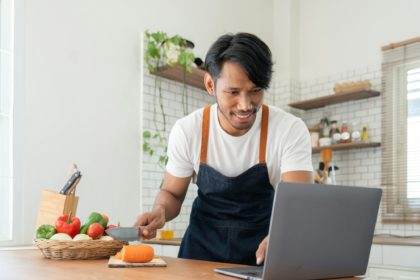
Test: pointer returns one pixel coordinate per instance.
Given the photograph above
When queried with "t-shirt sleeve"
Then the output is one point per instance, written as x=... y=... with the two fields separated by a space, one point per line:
x=297 y=150
x=179 y=160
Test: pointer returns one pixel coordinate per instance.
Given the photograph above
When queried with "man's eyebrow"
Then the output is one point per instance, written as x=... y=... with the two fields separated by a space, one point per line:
x=238 y=88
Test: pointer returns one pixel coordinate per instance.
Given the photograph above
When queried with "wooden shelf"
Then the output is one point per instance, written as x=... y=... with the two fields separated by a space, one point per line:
x=333 y=99
x=176 y=73
x=346 y=146
x=386 y=239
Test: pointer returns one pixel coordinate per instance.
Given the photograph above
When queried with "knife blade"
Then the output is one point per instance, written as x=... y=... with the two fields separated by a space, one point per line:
x=124 y=233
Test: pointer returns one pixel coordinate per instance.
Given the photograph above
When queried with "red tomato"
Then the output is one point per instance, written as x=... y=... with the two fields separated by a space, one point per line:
x=95 y=230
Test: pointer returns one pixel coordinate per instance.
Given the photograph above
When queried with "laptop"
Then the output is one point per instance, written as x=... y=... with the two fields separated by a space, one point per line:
x=317 y=232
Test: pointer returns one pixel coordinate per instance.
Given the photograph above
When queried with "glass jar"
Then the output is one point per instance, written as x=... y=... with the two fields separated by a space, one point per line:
x=365 y=135
x=355 y=134
x=335 y=134
x=345 y=133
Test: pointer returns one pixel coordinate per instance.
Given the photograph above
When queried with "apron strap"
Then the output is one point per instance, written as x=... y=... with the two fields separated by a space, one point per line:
x=205 y=134
x=263 y=133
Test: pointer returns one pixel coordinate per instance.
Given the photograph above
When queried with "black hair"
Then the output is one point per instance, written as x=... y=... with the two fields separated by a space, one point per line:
x=247 y=50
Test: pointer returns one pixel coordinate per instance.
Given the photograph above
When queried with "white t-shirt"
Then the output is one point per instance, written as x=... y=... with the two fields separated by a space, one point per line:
x=288 y=146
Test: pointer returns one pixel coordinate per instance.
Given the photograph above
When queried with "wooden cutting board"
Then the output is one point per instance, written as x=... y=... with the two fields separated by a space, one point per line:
x=117 y=263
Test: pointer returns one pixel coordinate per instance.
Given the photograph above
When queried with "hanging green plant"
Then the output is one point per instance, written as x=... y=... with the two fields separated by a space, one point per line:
x=152 y=142
x=163 y=50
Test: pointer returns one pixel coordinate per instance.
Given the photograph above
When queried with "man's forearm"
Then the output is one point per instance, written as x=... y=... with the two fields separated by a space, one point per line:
x=170 y=203
x=305 y=177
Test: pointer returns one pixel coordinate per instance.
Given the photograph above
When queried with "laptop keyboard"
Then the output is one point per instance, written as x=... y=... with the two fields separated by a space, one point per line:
x=256 y=273
x=250 y=272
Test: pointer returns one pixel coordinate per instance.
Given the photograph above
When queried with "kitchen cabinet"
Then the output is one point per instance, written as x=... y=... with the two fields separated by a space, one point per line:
x=378 y=272
x=395 y=256
x=394 y=262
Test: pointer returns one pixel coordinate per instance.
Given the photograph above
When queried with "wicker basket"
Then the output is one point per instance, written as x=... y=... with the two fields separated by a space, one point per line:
x=78 y=250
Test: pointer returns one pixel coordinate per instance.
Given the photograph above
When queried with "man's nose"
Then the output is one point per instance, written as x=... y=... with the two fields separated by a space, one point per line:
x=244 y=103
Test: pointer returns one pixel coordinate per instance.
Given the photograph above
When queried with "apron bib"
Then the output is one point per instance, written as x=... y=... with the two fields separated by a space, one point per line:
x=231 y=215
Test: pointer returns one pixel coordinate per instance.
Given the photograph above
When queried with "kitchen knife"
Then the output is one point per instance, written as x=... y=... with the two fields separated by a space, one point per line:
x=124 y=233
x=72 y=188
x=70 y=182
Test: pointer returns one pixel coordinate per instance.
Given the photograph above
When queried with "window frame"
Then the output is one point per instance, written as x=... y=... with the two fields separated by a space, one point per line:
x=401 y=205
x=17 y=115
x=408 y=67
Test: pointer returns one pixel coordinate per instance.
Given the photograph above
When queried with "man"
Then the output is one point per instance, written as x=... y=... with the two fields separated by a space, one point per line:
x=236 y=151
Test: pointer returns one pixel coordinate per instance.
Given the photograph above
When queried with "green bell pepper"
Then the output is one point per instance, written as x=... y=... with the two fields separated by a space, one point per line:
x=45 y=231
x=94 y=217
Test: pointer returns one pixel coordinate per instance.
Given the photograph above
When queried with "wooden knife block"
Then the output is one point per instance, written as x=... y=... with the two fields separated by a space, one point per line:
x=53 y=205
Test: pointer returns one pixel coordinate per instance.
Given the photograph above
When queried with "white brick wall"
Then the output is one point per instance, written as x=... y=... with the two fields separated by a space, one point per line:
x=152 y=173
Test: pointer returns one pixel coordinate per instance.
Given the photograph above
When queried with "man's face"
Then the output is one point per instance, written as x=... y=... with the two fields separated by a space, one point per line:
x=238 y=99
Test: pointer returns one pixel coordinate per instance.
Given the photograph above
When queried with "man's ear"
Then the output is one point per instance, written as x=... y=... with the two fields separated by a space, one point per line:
x=209 y=83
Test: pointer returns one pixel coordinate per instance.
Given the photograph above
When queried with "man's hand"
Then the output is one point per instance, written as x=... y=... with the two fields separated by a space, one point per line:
x=262 y=249
x=291 y=176
x=149 y=222
x=167 y=206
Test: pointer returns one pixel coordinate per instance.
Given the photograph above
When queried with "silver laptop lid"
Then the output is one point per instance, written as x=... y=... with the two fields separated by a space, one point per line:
x=320 y=231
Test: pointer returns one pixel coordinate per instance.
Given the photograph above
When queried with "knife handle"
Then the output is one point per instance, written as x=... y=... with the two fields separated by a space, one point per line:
x=70 y=182
x=72 y=188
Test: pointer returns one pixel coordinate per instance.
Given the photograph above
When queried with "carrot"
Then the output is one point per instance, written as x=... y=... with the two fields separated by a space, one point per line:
x=137 y=253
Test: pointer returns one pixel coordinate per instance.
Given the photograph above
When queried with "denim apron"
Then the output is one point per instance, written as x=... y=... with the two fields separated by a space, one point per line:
x=231 y=215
